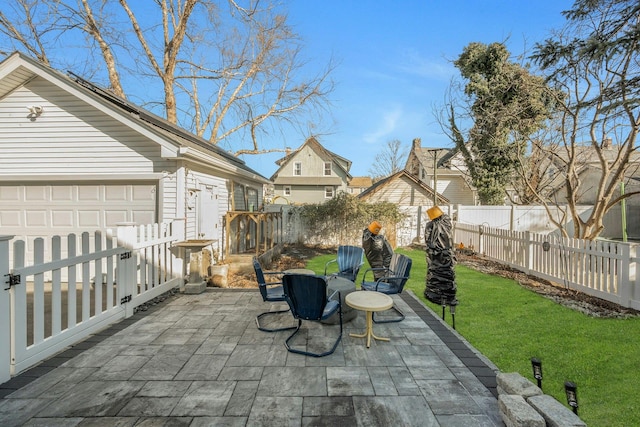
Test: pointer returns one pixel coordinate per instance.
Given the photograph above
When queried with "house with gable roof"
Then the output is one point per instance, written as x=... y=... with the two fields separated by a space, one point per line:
x=403 y=189
x=443 y=169
x=310 y=174
x=77 y=158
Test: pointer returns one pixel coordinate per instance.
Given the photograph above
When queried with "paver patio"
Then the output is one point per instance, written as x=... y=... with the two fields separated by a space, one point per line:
x=199 y=360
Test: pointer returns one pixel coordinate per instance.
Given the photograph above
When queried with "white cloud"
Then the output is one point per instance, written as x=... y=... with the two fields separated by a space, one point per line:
x=386 y=126
x=416 y=64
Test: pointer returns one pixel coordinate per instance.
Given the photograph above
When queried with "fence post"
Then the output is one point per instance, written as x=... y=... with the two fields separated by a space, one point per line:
x=127 y=273
x=5 y=312
x=528 y=252
x=625 y=285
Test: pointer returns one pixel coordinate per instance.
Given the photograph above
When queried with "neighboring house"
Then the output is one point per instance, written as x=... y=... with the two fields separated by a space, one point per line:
x=413 y=197
x=77 y=158
x=443 y=169
x=358 y=184
x=403 y=189
x=310 y=174
x=589 y=171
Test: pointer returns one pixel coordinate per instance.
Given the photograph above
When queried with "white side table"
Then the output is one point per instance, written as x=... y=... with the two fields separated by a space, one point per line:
x=369 y=302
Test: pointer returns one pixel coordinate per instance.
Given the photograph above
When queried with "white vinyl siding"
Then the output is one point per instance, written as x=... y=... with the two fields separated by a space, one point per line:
x=95 y=161
x=455 y=188
x=68 y=138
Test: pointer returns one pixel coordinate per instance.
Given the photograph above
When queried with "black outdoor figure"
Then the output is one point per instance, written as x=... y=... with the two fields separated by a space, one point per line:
x=441 y=279
x=376 y=248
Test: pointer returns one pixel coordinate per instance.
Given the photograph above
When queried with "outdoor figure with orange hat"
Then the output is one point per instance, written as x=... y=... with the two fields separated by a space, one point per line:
x=441 y=279
x=376 y=248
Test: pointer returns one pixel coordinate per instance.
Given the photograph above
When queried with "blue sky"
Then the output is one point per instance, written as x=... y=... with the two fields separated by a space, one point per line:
x=395 y=64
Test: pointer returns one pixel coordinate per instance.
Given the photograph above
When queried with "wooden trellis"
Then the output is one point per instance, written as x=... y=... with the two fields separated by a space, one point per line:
x=249 y=231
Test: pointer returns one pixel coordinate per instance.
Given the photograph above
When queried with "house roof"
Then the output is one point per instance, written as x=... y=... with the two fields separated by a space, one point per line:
x=313 y=143
x=18 y=69
x=403 y=173
x=425 y=156
x=361 y=181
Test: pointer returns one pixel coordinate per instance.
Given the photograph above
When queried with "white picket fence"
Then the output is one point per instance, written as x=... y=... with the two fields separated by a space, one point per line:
x=89 y=282
x=601 y=268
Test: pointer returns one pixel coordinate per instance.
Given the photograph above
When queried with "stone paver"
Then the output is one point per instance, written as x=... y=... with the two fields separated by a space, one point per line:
x=199 y=360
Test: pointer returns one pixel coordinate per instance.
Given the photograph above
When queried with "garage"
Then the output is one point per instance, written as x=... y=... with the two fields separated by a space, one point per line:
x=44 y=209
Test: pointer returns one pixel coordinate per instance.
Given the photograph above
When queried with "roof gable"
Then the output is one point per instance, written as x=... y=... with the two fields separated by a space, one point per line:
x=403 y=174
x=18 y=69
x=313 y=144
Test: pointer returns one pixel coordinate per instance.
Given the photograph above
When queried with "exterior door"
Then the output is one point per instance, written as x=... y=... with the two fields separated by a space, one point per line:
x=209 y=216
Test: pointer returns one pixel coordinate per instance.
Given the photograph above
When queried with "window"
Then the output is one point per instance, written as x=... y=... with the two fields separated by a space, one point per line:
x=287 y=190
x=327 y=168
x=328 y=192
x=252 y=198
x=297 y=169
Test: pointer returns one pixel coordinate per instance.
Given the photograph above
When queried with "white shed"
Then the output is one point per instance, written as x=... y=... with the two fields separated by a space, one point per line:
x=77 y=158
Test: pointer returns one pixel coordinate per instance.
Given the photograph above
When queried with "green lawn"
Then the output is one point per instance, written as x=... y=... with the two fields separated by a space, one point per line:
x=510 y=325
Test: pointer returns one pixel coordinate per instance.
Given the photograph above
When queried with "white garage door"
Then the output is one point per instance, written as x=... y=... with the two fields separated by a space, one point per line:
x=43 y=210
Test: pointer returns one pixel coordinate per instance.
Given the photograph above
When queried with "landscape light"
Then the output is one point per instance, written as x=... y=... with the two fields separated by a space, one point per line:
x=452 y=309
x=571 y=390
x=536 y=364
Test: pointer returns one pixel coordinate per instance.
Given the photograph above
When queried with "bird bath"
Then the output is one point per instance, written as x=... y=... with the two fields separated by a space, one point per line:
x=196 y=283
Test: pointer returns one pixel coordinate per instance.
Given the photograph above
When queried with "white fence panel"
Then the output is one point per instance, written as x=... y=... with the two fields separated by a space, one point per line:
x=604 y=269
x=5 y=312
x=536 y=220
x=100 y=285
x=43 y=325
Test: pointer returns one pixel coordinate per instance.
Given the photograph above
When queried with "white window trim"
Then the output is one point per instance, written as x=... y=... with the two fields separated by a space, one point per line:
x=332 y=192
x=295 y=169
x=327 y=165
x=286 y=190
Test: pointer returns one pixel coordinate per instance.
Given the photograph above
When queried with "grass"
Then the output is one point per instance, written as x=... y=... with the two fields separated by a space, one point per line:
x=510 y=324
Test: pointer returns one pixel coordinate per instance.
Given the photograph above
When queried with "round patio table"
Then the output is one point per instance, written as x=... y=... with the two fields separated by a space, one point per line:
x=369 y=301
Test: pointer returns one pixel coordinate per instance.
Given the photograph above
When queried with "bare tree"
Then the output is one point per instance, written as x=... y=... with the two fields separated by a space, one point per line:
x=593 y=62
x=27 y=24
x=389 y=161
x=228 y=71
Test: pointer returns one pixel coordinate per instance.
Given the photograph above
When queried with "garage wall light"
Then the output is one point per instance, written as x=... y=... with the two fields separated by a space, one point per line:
x=35 y=110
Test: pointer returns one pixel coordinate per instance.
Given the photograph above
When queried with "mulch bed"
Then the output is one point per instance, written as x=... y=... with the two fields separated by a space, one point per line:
x=579 y=301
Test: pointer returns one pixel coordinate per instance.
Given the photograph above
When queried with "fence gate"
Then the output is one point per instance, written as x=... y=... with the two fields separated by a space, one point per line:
x=89 y=283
